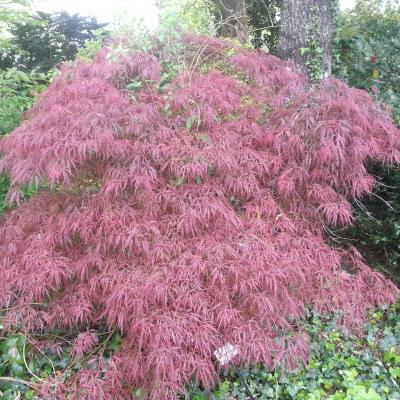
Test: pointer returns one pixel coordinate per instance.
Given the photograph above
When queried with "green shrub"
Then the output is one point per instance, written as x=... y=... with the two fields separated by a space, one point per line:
x=369 y=43
x=369 y=53
x=17 y=94
x=376 y=229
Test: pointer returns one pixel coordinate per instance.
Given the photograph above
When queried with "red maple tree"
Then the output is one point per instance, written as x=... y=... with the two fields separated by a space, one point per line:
x=188 y=215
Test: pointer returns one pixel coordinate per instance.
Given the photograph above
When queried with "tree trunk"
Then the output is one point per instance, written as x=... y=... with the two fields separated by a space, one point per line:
x=232 y=19
x=297 y=17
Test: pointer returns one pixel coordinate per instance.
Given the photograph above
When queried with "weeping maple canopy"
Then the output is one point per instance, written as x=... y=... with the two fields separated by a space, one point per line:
x=189 y=214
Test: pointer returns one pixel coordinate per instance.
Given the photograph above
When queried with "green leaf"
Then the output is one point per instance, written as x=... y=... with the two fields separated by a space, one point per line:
x=395 y=372
x=30 y=395
x=330 y=346
x=180 y=180
x=359 y=392
x=17 y=370
x=115 y=342
x=190 y=121
x=134 y=85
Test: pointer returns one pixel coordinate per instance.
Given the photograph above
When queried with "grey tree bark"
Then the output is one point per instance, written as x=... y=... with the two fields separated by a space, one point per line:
x=232 y=19
x=296 y=17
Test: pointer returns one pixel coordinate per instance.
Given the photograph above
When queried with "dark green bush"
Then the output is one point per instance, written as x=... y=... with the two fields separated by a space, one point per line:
x=369 y=44
x=369 y=53
x=376 y=230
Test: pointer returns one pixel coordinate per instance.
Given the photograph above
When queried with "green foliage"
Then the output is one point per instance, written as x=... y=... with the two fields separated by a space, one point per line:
x=376 y=229
x=45 y=40
x=92 y=46
x=23 y=366
x=4 y=185
x=12 y=11
x=342 y=367
x=139 y=37
x=200 y=16
x=18 y=90
x=369 y=51
x=190 y=15
x=314 y=52
x=13 y=369
x=17 y=94
x=264 y=21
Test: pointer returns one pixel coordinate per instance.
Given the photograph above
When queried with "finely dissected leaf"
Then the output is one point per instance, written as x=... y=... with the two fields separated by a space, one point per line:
x=184 y=245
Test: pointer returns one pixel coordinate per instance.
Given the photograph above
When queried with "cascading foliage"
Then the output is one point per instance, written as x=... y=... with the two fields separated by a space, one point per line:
x=187 y=215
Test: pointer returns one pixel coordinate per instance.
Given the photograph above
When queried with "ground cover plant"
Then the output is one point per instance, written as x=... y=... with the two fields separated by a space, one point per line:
x=341 y=366
x=187 y=210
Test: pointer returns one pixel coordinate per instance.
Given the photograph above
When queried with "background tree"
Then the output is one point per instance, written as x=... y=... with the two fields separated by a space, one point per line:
x=231 y=18
x=254 y=20
x=263 y=16
x=12 y=11
x=306 y=33
x=192 y=15
x=45 y=40
x=369 y=50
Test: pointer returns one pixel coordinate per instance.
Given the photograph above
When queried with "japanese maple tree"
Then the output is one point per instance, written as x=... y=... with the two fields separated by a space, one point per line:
x=188 y=214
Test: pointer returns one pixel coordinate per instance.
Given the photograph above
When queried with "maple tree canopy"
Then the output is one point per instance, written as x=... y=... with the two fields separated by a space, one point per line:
x=188 y=215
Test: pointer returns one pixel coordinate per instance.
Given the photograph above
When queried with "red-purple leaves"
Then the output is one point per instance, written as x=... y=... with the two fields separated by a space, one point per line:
x=187 y=236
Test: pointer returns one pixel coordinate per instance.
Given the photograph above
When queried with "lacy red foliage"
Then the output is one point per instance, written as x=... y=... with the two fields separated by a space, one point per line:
x=190 y=215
